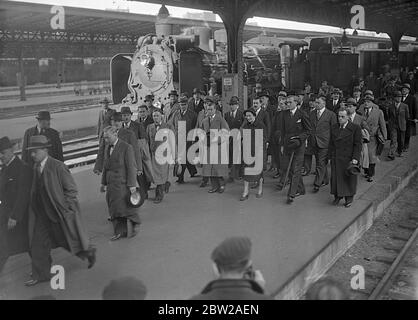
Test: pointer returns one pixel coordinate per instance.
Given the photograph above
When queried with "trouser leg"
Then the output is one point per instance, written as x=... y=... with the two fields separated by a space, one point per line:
x=371 y=170
x=41 y=249
x=307 y=163
x=4 y=250
x=407 y=135
x=393 y=142
x=321 y=175
x=401 y=141
x=296 y=181
x=215 y=182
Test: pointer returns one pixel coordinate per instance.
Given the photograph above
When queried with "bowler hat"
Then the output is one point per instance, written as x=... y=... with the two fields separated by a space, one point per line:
x=105 y=100
x=196 y=90
x=5 y=144
x=250 y=111
x=353 y=170
x=293 y=143
x=43 y=115
x=38 y=142
x=282 y=94
x=232 y=251
x=149 y=97
x=136 y=199
x=406 y=85
x=234 y=100
x=264 y=93
x=173 y=93
x=183 y=99
x=397 y=94
x=336 y=90
x=351 y=102
x=209 y=99
x=116 y=116
x=125 y=110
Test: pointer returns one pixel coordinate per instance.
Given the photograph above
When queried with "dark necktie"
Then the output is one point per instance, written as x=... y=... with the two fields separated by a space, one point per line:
x=318 y=115
x=367 y=112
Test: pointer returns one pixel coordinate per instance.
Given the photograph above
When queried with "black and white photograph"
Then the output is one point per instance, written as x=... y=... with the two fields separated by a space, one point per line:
x=182 y=151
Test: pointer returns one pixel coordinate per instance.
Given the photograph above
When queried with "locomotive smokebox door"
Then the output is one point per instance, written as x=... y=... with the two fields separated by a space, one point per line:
x=120 y=68
x=229 y=89
x=190 y=72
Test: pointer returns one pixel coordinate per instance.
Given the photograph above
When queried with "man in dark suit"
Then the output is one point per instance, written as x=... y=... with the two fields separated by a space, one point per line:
x=234 y=118
x=119 y=182
x=334 y=103
x=344 y=150
x=296 y=128
x=195 y=103
x=15 y=184
x=397 y=122
x=321 y=120
x=275 y=134
x=144 y=116
x=188 y=117
x=43 y=128
x=137 y=128
x=412 y=104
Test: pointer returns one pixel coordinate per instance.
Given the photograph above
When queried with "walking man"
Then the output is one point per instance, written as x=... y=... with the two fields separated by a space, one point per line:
x=397 y=122
x=15 y=184
x=344 y=150
x=57 y=213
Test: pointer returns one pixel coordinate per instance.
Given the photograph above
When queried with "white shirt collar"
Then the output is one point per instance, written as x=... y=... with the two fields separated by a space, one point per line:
x=11 y=160
x=114 y=145
x=128 y=124
x=42 y=164
x=293 y=111
x=39 y=129
x=321 y=111
x=257 y=111
x=344 y=125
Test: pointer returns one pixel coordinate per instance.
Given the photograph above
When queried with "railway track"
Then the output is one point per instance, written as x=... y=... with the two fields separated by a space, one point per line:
x=399 y=281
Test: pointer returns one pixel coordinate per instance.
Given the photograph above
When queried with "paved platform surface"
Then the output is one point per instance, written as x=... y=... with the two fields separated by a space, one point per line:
x=171 y=254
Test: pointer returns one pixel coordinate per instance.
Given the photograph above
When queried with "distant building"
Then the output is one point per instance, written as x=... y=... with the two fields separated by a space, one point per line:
x=205 y=16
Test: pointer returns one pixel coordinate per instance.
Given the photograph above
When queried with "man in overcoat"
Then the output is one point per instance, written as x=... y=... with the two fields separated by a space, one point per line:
x=219 y=169
x=321 y=120
x=15 y=184
x=119 y=182
x=344 y=150
x=411 y=101
x=195 y=103
x=43 y=128
x=104 y=116
x=377 y=128
x=188 y=117
x=160 y=166
x=333 y=104
x=58 y=221
x=398 y=117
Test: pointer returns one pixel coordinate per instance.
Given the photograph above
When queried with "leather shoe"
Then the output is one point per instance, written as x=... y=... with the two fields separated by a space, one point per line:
x=315 y=189
x=91 y=257
x=213 y=190
x=279 y=187
x=290 y=200
x=116 y=237
x=348 y=204
x=276 y=176
x=221 y=189
x=158 y=200
x=203 y=184
x=336 y=201
x=180 y=181
x=167 y=187
x=244 y=197
x=259 y=195
x=369 y=179
x=34 y=282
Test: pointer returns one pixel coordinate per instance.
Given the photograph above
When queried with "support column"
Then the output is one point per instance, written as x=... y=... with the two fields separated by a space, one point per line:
x=21 y=78
x=234 y=14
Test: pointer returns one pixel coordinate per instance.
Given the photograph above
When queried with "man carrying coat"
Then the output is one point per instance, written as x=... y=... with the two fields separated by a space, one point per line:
x=15 y=183
x=57 y=213
x=119 y=182
x=43 y=128
x=344 y=152
x=321 y=120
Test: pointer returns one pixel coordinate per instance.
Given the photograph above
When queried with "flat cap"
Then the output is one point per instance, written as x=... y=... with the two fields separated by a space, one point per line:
x=232 y=251
x=126 y=288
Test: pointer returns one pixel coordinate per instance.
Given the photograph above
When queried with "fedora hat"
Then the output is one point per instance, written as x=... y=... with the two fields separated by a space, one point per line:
x=116 y=116
x=43 y=115
x=234 y=100
x=183 y=100
x=353 y=170
x=406 y=85
x=105 y=100
x=125 y=110
x=196 y=90
x=5 y=144
x=136 y=199
x=38 y=142
x=397 y=94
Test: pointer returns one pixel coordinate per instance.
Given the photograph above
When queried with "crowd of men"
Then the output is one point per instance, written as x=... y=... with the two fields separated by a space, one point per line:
x=347 y=132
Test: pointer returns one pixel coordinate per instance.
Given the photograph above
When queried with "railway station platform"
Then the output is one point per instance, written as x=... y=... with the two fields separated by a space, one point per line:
x=293 y=245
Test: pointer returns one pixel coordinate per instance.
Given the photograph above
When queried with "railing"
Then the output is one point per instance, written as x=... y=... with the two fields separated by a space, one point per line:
x=79 y=152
